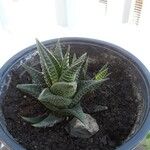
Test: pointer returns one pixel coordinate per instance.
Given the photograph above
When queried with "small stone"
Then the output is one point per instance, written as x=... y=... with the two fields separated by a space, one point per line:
x=24 y=96
x=35 y=146
x=77 y=129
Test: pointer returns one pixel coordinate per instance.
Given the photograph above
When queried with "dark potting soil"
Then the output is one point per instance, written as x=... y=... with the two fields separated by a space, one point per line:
x=115 y=123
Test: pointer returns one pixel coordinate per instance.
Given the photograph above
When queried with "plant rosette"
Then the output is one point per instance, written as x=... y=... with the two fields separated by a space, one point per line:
x=56 y=95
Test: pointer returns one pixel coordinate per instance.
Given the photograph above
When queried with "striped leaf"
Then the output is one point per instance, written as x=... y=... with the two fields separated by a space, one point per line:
x=37 y=77
x=65 y=62
x=46 y=75
x=34 y=119
x=85 y=87
x=103 y=73
x=58 y=52
x=65 y=89
x=81 y=58
x=50 y=65
x=49 y=121
x=81 y=75
x=74 y=58
x=84 y=69
x=55 y=100
x=71 y=73
x=32 y=89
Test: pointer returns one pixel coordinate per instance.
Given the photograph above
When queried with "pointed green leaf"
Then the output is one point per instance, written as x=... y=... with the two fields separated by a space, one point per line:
x=34 y=119
x=85 y=87
x=81 y=58
x=82 y=73
x=65 y=62
x=46 y=75
x=55 y=100
x=50 y=65
x=103 y=73
x=43 y=66
x=32 y=89
x=49 y=121
x=50 y=106
x=58 y=52
x=65 y=89
x=76 y=111
x=85 y=67
x=71 y=73
x=74 y=58
x=37 y=77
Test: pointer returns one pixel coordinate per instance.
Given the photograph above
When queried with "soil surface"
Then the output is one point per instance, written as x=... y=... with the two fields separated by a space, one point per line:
x=115 y=124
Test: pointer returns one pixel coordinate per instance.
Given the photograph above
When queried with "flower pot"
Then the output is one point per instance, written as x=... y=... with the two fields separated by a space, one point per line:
x=126 y=94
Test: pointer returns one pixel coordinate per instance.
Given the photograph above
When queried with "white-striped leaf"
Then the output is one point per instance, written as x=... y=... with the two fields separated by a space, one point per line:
x=74 y=58
x=84 y=69
x=71 y=73
x=103 y=73
x=65 y=62
x=81 y=74
x=55 y=100
x=50 y=65
x=58 y=52
x=46 y=75
x=85 y=87
x=81 y=58
x=65 y=89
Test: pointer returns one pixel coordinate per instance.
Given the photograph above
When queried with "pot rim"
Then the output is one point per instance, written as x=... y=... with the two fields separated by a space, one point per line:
x=128 y=144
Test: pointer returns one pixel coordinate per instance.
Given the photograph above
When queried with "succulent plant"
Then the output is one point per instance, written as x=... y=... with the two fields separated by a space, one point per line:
x=61 y=84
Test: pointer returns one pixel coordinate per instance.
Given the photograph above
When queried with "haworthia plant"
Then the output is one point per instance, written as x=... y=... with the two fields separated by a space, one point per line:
x=60 y=85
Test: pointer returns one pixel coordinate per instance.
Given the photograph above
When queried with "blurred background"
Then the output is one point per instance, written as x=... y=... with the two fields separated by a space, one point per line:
x=122 y=22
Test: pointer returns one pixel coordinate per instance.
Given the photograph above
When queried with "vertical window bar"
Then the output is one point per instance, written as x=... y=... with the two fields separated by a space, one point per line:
x=137 y=10
x=61 y=12
x=105 y=3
